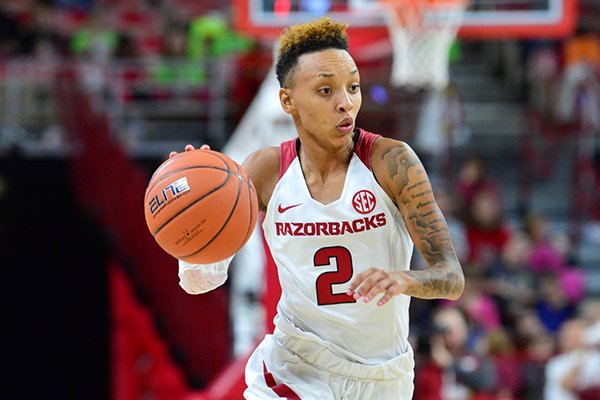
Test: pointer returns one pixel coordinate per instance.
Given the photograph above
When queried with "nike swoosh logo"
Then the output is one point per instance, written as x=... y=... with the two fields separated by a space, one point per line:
x=284 y=209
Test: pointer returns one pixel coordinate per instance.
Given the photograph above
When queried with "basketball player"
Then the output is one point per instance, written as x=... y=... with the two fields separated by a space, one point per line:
x=343 y=208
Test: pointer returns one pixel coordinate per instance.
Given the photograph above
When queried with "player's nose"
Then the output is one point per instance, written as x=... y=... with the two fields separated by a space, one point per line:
x=345 y=102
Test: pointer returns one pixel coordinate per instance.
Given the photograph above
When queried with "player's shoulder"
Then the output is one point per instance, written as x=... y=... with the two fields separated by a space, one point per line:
x=391 y=158
x=385 y=144
x=387 y=151
x=268 y=156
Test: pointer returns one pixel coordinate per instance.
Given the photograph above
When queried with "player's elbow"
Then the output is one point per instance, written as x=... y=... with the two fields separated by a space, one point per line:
x=457 y=283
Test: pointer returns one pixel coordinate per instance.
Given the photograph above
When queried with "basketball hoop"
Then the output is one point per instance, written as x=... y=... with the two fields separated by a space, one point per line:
x=422 y=32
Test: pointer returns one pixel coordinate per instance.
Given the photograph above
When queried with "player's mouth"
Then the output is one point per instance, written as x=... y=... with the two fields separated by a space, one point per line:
x=345 y=125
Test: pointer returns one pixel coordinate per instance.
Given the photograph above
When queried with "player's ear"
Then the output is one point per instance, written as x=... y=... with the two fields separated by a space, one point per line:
x=286 y=100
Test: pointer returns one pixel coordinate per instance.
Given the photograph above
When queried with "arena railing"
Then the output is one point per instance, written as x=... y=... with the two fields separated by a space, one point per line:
x=153 y=105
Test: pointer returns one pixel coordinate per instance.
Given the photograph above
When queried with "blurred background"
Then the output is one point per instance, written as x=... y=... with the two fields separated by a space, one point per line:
x=94 y=94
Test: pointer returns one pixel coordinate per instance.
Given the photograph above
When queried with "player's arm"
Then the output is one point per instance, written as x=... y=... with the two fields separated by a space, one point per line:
x=403 y=177
x=262 y=168
x=407 y=181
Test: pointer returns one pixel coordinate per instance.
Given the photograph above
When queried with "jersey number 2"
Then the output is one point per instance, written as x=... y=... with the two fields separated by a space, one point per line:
x=326 y=280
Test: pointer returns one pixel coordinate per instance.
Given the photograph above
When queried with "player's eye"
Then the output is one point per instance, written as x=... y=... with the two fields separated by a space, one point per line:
x=325 y=90
x=354 y=88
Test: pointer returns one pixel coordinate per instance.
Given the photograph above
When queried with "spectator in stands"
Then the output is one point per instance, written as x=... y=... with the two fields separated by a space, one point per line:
x=553 y=306
x=503 y=352
x=174 y=69
x=190 y=45
x=211 y=36
x=549 y=255
x=487 y=230
x=453 y=370
x=94 y=44
x=533 y=359
x=510 y=280
x=526 y=325
x=574 y=371
x=472 y=179
x=97 y=39
x=550 y=249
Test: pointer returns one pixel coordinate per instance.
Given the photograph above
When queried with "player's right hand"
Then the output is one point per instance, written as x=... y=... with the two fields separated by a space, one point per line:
x=189 y=147
x=375 y=281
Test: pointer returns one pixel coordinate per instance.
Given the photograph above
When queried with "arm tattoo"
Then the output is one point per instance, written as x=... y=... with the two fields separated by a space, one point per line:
x=426 y=225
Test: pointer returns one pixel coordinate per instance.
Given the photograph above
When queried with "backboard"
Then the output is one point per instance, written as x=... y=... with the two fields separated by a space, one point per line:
x=484 y=19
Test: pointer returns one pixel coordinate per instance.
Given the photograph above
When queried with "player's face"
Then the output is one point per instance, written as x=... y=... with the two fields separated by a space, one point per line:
x=324 y=97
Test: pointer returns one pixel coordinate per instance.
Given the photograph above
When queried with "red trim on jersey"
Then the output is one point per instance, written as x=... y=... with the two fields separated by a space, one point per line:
x=268 y=376
x=280 y=389
x=287 y=150
x=364 y=146
x=287 y=154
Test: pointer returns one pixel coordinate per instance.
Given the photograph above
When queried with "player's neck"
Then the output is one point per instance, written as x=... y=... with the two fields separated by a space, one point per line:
x=318 y=159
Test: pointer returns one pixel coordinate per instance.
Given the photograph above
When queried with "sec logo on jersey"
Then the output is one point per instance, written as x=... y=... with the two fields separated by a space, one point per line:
x=364 y=201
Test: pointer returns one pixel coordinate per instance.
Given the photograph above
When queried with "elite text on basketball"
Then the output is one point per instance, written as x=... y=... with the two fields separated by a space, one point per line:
x=169 y=193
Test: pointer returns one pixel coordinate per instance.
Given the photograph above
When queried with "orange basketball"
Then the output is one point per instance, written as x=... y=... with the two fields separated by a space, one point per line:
x=200 y=206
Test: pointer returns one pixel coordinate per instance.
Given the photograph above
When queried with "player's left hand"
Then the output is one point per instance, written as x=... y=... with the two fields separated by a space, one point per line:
x=373 y=282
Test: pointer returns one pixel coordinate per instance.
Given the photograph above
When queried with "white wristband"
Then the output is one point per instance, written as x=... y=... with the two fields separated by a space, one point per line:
x=201 y=278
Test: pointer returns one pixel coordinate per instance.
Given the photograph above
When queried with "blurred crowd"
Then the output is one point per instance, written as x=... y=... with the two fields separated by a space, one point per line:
x=148 y=48
x=104 y=29
x=525 y=327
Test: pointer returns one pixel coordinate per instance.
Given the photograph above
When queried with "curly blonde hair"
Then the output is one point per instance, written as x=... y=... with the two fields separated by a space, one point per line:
x=296 y=40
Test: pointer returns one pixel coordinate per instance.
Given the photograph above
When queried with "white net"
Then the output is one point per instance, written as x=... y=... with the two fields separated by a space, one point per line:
x=422 y=33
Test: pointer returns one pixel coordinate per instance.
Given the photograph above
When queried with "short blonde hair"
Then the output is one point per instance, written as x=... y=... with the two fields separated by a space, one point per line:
x=296 y=40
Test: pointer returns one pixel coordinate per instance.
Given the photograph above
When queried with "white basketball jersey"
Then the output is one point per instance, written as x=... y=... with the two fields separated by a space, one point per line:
x=319 y=248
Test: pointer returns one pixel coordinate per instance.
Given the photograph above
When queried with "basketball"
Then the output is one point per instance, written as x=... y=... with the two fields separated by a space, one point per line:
x=200 y=206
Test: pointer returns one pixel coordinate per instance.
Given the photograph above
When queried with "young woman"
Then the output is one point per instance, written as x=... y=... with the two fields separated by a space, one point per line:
x=343 y=208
